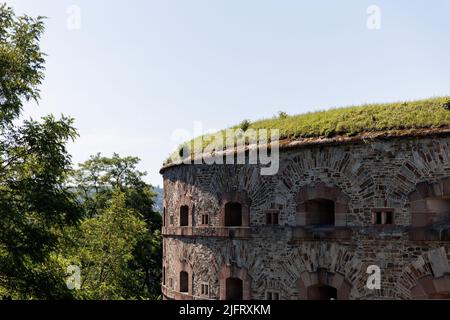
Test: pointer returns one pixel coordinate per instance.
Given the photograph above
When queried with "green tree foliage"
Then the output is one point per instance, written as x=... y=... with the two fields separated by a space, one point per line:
x=34 y=205
x=21 y=61
x=97 y=182
x=97 y=178
x=104 y=248
x=99 y=217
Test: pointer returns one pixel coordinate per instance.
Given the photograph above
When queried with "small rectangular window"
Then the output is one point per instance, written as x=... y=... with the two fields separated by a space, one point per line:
x=378 y=217
x=170 y=283
x=275 y=218
x=272 y=217
x=268 y=218
x=171 y=220
x=205 y=289
x=272 y=295
x=205 y=219
x=389 y=217
x=383 y=216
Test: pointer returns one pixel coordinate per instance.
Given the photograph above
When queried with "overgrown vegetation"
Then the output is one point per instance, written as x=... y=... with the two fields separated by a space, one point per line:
x=349 y=121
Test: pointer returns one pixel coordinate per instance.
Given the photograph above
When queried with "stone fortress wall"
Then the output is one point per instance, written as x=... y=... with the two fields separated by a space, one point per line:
x=312 y=230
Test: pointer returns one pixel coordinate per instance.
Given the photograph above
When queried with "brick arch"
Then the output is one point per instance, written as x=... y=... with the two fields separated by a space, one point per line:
x=321 y=191
x=233 y=271
x=421 y=214
x=333 y=167
x=235 y=197
x=228 y=178
x=329 y=256
x=337 y=166
x=427 y=275
x=429 y=287
x=323 y=277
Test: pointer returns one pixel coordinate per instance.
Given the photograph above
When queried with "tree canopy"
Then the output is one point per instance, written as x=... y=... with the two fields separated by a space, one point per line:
x=108 y=188
x=98 y=217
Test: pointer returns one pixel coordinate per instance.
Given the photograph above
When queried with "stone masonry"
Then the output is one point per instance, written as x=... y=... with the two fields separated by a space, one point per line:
x=312 y=230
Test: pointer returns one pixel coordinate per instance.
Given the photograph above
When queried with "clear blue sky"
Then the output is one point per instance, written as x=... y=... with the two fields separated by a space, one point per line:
x=138 y=70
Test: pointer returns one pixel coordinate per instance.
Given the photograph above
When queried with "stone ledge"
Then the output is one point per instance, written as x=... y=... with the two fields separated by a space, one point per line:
x=172 y=294
x=321 y=233
x=315 y=233
x=220 y=232
x=430 y=234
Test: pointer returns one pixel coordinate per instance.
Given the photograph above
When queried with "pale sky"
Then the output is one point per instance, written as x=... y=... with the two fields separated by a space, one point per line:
x=138 y=70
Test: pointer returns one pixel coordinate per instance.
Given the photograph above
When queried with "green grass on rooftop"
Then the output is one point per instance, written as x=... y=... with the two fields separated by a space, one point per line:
x=350 y=121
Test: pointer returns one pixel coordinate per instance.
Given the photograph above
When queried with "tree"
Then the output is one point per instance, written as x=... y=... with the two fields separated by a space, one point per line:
x=95 y=182
x=21 y=62
x=105 y=245
x=34 y=206
x=104 y=220
x=97 y=178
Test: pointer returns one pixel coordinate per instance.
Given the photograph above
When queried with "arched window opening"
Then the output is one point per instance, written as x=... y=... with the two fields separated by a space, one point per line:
x=321 y=292
x=184 y=282
x=184 y=216
x=320 y=212
x=234 y=289
x=233 y=214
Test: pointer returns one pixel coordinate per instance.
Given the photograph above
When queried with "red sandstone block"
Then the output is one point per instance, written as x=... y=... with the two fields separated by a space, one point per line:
x=311 y=193
x=419 y=219
x=301 y=207
x=424 y=190
x=417 y=234
x=300 y=219
x=418 y=293
x=302 y=195
x=340 y=220
x=414 y=196
x=436 y=189
x=427 y=284
x=300 y=285
x=341 y=207
x=337 y=280
x=306 y=278
x=446 y=187
x=322 y=191
x=442 y=284
x=322 y=277
x=343 y=292
x=419 y=206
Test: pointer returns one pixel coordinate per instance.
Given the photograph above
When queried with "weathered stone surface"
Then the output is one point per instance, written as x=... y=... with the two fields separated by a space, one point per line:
x=399 y=174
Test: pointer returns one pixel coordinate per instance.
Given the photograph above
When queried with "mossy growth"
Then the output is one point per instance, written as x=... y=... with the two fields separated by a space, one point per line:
x=349 y=121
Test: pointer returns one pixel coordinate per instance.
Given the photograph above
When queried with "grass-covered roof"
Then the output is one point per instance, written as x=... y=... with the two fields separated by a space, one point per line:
x=352 y=121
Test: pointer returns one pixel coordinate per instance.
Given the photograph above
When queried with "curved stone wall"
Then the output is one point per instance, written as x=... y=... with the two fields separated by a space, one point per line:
x=390 y=201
